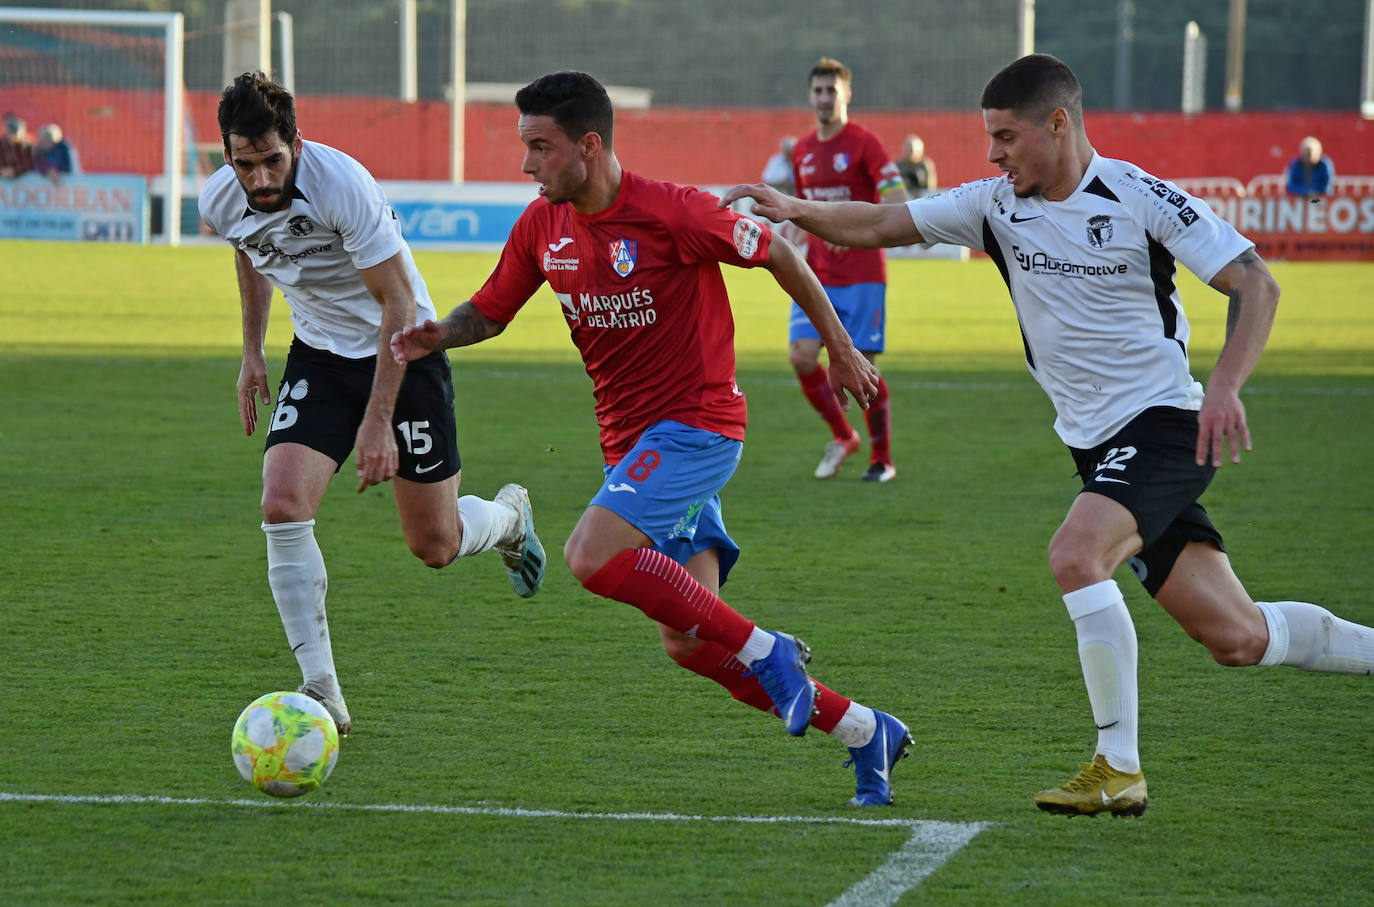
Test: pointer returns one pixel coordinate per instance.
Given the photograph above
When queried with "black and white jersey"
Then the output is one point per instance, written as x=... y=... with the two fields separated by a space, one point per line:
x=1092 y=280
x=338 y=223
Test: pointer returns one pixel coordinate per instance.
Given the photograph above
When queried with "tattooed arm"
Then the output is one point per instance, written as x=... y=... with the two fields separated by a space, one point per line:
x=1254 y=297
x=463 y=326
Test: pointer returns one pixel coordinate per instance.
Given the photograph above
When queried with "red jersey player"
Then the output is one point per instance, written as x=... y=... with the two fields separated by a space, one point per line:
x=842 y=161
x=635 y=265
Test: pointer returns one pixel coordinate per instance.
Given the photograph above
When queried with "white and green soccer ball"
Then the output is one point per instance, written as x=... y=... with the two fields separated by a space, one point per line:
x=285 y=743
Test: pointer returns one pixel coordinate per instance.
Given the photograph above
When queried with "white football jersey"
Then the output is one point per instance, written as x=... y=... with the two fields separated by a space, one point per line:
x=338 y=223
x=1092 y=280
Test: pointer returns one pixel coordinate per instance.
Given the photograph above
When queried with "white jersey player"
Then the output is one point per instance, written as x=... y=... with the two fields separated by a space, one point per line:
x=336 y=225
x=312 y=222
x=1088 y=248
x=1092 y=279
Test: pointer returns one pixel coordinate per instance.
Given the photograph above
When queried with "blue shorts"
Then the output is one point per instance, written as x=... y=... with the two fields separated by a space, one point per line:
x=668 y=487
x=862 y=308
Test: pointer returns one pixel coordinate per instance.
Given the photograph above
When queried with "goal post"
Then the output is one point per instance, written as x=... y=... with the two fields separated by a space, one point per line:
x=172 y=28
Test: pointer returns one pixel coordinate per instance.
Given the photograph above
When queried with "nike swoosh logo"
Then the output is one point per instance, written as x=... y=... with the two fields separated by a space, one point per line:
x=1117 y=481
x=554 y=247
x=886 y=771
x=421 y=470
x=1022 y=220
x=1108 y=799
x=622 y=487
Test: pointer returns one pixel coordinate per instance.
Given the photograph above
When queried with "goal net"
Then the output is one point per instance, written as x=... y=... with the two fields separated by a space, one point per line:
x=113 y=82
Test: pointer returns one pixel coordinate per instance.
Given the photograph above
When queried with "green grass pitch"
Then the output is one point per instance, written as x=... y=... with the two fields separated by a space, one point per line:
x=545 y=751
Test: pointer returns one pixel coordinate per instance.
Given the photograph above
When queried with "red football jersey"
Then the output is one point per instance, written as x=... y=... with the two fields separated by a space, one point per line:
x=852 y=166
x=641 y=289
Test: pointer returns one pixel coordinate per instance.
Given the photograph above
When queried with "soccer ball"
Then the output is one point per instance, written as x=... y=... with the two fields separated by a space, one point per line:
x=285 y=743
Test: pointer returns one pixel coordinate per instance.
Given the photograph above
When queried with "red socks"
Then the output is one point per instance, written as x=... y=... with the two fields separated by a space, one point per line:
x=879 y=418
x=661 y=588
x=667 y=593
x=714 y=662
x=816 y=386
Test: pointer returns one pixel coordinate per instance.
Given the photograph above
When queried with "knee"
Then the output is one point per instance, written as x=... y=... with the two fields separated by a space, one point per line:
x=285 y=506
x=434 y=552
x=680 y=648
x=803 y=361
x=1234 y=645
x=1073 y=565
x=581 y=558
x=435 y=547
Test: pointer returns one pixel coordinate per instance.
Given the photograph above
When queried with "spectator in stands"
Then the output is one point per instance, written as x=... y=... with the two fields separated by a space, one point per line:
x=917 y=170
x=16 y=147
x=1311 y=172
x=54 y=156
x=778 y=171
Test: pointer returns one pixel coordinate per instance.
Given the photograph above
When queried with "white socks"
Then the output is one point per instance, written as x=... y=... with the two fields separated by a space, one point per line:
x=1310 y=637
x=857 y=726
x=486 y=524
x=759 y=645
x=1107 y=651
x=295 y=571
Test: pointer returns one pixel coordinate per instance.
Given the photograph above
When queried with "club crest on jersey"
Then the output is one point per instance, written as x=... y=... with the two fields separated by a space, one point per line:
x=300 y=225
x=1099 y=230
x=746 y=237
x=624 y=256
x=840 y=161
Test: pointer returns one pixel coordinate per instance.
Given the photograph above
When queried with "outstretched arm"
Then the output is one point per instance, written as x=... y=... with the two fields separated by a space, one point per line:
x=1254 y=296
x=859 y=225
x=849 y=370
x=464 y=326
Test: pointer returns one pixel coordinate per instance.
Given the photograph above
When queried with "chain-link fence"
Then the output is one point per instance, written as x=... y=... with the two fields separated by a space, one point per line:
x=906 y=54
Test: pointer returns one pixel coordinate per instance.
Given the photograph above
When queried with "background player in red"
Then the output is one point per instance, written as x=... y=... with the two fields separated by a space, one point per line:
x=842 y=161
x=635 y=265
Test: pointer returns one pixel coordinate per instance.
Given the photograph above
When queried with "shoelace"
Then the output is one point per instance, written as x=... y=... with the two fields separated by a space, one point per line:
x=764 y=672
x=854 y=752
x=1092 y=774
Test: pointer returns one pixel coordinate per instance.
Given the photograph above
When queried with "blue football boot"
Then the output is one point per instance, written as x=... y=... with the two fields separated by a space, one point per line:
x=873 y=761
x=782 y=672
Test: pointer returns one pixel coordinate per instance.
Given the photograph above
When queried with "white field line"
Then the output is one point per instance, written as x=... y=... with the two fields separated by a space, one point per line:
x=930 y=845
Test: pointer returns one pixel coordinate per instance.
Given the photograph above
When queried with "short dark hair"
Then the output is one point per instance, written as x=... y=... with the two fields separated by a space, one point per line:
x=254 y=105
x=827 y=66
x=1035 y=86
x=577 y=102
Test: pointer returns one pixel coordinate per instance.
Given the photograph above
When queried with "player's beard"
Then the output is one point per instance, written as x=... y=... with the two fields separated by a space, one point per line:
x=284 y=194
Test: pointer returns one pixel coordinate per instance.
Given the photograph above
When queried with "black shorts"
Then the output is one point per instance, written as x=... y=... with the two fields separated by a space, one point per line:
x=1150 y=468
x=322 y=399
